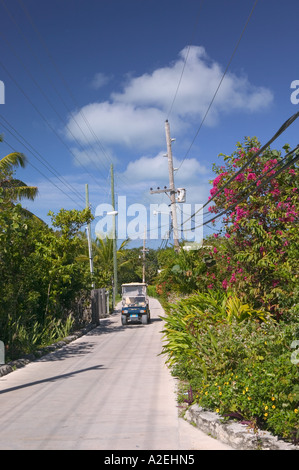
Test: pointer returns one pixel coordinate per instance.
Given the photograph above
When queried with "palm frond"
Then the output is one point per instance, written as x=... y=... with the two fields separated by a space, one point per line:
x=13 y=159
x=16 y=189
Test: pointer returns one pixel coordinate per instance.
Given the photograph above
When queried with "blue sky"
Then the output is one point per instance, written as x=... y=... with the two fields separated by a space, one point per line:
x=90 y=83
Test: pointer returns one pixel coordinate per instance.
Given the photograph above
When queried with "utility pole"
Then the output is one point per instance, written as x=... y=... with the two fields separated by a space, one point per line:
x=114 y=238
x=144 y=251
x=89 y=239
x=172 y=188
x=172 y=191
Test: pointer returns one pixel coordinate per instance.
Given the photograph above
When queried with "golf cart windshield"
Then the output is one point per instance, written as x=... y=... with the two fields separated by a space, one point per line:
x=139 y=301
x=134 y=295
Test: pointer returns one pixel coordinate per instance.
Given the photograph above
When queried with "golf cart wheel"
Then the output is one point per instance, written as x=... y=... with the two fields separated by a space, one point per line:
x=123 y=320
x=144 y=319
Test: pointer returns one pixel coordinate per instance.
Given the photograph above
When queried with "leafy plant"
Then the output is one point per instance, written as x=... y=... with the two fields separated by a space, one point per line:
x=236 y=360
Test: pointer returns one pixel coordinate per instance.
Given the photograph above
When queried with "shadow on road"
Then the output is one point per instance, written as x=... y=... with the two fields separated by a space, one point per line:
x=70 y=350
x=113 y=325
x=52 y=379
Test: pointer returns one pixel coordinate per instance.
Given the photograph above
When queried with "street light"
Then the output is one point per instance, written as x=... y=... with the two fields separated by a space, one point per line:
x=112 y=213
x=160 y=212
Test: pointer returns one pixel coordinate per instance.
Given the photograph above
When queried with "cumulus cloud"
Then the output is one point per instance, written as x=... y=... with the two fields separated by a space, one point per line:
x=156 y=169
x=146 y=172
x=135 y=117
x=99 y=80
x=119 y=124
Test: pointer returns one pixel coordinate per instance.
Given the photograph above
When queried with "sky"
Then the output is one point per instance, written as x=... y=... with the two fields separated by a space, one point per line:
x=90 y=84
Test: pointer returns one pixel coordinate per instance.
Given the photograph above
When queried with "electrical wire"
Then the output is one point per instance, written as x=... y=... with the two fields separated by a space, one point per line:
x=284 y=126
x=52 y=85
x=47 y=122
x=186 y=58
x=66 y=86
x=220 y=83
x=263 y=183
x=41 y=173
x=37 y=155
x=46 y=97
x=260 y=179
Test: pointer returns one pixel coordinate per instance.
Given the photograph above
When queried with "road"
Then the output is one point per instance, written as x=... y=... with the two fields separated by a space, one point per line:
x=109 y=389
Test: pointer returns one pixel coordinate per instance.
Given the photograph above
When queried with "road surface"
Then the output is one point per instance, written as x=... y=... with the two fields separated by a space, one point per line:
x=109 y=389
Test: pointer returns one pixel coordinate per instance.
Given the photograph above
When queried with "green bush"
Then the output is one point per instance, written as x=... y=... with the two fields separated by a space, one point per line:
x=236 y=360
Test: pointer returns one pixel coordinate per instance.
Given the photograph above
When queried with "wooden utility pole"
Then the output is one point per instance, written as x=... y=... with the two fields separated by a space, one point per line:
x=89 y=239
x=144 y=251
x=114 y=238
x=172 y=188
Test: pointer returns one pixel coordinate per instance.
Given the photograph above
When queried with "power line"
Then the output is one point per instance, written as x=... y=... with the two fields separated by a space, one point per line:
x=41 y=173
x=45 y=95
x=45 y=47
x=284 y=126
x=263 y=183
x=185 y=61
x=66 y=86
x=38 y=156
x=220 y=83
x=46 y=121
x=260 y=179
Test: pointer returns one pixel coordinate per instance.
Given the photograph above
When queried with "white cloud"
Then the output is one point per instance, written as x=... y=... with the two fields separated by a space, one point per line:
x=135 y=117
x=99 y=80
x=119 y=124
x=146 y=172
x=156 y=169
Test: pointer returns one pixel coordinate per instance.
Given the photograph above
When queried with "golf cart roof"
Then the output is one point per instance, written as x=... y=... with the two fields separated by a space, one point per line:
x=135 y=284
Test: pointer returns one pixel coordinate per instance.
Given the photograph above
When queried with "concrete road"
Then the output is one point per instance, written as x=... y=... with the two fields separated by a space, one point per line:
x=107 y=390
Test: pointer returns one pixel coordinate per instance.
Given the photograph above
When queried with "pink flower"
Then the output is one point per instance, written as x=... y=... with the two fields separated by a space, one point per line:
x=227 y=235
x=240 y=177
x=275 y=192
x=215 y=250
x=224 y=284
x=218 y=179
x=210 y=286
x=215 y=235
x=251 y=176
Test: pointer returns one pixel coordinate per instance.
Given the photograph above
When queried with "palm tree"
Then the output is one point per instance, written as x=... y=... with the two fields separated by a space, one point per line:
x=103 y=251
x=14 y=189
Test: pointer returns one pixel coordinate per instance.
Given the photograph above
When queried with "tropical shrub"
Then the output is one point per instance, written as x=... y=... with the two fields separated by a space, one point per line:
x=40 y=278
x=261 y=238
x=181 y=272
x=236 y=360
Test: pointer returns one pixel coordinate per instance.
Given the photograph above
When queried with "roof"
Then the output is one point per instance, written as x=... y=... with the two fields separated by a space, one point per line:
x=135 y=284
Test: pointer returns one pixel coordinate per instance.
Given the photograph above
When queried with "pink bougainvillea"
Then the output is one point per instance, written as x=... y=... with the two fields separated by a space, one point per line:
x=260 y=236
